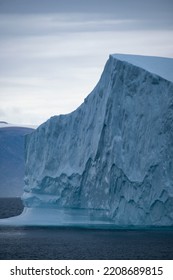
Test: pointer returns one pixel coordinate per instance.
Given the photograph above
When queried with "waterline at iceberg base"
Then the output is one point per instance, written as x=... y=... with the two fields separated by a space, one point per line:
x=60 y=217
x=66 y=217
x=110 y=162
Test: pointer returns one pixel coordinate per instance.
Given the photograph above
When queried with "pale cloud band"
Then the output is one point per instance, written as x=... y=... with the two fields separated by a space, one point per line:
x=49 y=62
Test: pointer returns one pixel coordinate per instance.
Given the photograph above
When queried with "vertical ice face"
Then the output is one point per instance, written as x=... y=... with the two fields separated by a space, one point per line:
x=114 y=153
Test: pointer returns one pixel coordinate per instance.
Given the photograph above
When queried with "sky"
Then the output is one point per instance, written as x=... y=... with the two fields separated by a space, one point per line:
x=52 y=52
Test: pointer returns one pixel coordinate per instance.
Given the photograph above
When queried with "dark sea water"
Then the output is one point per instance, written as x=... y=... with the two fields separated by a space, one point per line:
x=75 y=243
x=10 y=206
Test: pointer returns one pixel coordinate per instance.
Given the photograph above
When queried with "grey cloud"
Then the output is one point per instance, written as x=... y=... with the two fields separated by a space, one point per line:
x=38 y=25
x=55 y=24
x=148 y=9
x=57 y=49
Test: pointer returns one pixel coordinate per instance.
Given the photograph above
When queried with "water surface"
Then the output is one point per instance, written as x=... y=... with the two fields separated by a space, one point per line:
x=76 y=243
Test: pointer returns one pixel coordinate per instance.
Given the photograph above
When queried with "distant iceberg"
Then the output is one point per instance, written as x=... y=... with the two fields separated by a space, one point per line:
x=12 y=158
x=110 y=162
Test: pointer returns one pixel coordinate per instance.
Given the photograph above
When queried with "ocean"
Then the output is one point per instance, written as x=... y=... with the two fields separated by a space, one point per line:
x=68 y=243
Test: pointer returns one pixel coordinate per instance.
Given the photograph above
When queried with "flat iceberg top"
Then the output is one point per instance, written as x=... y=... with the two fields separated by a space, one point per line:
x=158 y=65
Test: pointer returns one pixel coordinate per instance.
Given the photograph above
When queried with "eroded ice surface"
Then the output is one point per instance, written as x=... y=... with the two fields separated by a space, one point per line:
x=114 y=154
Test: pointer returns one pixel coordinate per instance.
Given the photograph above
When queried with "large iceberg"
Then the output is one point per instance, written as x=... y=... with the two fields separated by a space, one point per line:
x=111 y=160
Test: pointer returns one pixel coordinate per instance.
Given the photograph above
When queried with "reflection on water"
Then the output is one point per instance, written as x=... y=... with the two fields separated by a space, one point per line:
x=76 y=243
x=11 y=232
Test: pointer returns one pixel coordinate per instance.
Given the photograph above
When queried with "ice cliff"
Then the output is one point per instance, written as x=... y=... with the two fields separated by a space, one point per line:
x=112 y=156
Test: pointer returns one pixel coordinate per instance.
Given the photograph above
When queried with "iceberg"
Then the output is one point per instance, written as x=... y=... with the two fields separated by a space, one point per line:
x=109 y=162
x=12 y=159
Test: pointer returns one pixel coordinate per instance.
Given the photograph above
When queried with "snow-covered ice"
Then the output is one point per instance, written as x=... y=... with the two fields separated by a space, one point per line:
x=161 y=66
x=111 y=160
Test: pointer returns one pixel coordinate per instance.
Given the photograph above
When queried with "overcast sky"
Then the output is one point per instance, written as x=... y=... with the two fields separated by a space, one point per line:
x=52 y=52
